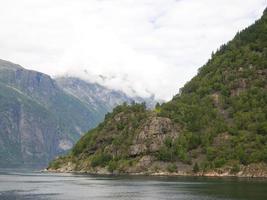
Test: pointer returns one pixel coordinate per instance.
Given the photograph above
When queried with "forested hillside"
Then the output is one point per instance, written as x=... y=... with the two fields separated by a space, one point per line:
x=217 y=124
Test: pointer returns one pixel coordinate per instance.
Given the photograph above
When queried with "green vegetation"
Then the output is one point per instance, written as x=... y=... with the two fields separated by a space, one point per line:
x=117 y=130
x=172 y=168
x=101 y=159
x=221 y=114
x=120 y=128
x=196 y=168
x=227 y=96
x=175 y=150
x=235 y=169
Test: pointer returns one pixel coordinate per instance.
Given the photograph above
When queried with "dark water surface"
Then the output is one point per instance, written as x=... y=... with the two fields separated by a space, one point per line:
x=27 y=185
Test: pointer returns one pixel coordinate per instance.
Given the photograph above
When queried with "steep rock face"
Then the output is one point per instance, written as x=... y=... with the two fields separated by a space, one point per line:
x=28 y=132
x=38 y=120
x=152 y=135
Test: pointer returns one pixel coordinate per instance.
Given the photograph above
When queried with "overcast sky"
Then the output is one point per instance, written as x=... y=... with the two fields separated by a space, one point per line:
x=143 y=46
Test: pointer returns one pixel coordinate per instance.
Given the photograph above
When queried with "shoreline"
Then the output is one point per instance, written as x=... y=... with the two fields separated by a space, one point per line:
x=160 y=174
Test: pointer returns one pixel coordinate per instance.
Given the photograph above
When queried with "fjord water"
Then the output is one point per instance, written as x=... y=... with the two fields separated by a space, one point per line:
x=26 y=185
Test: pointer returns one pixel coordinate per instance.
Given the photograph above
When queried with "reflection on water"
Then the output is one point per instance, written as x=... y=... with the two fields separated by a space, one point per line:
x=25 y=185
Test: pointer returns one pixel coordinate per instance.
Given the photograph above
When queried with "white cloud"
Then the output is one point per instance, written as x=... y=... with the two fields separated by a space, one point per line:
x=150 y=46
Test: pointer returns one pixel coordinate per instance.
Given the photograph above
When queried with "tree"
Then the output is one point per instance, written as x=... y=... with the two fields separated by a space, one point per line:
x=196 y=168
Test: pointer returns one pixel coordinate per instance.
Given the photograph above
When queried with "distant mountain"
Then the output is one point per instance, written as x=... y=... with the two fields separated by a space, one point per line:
x=216 y=125
x=41 y=118
x=97 y=96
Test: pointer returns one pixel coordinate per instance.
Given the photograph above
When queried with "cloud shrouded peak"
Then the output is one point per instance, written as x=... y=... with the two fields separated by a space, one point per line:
x=140 y=46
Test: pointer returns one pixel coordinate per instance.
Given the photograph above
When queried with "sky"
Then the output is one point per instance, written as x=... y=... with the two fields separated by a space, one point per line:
x=142 y=47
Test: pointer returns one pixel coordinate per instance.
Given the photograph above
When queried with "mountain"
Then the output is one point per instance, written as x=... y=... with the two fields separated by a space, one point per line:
x=97 y=96
x=40 y=118
x=215 y=126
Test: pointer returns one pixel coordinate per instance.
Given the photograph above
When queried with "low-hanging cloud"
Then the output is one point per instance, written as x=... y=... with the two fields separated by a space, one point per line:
x=142 y=47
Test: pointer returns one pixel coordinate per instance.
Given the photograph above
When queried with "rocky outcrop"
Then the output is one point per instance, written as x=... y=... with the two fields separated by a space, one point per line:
x=152 y=136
